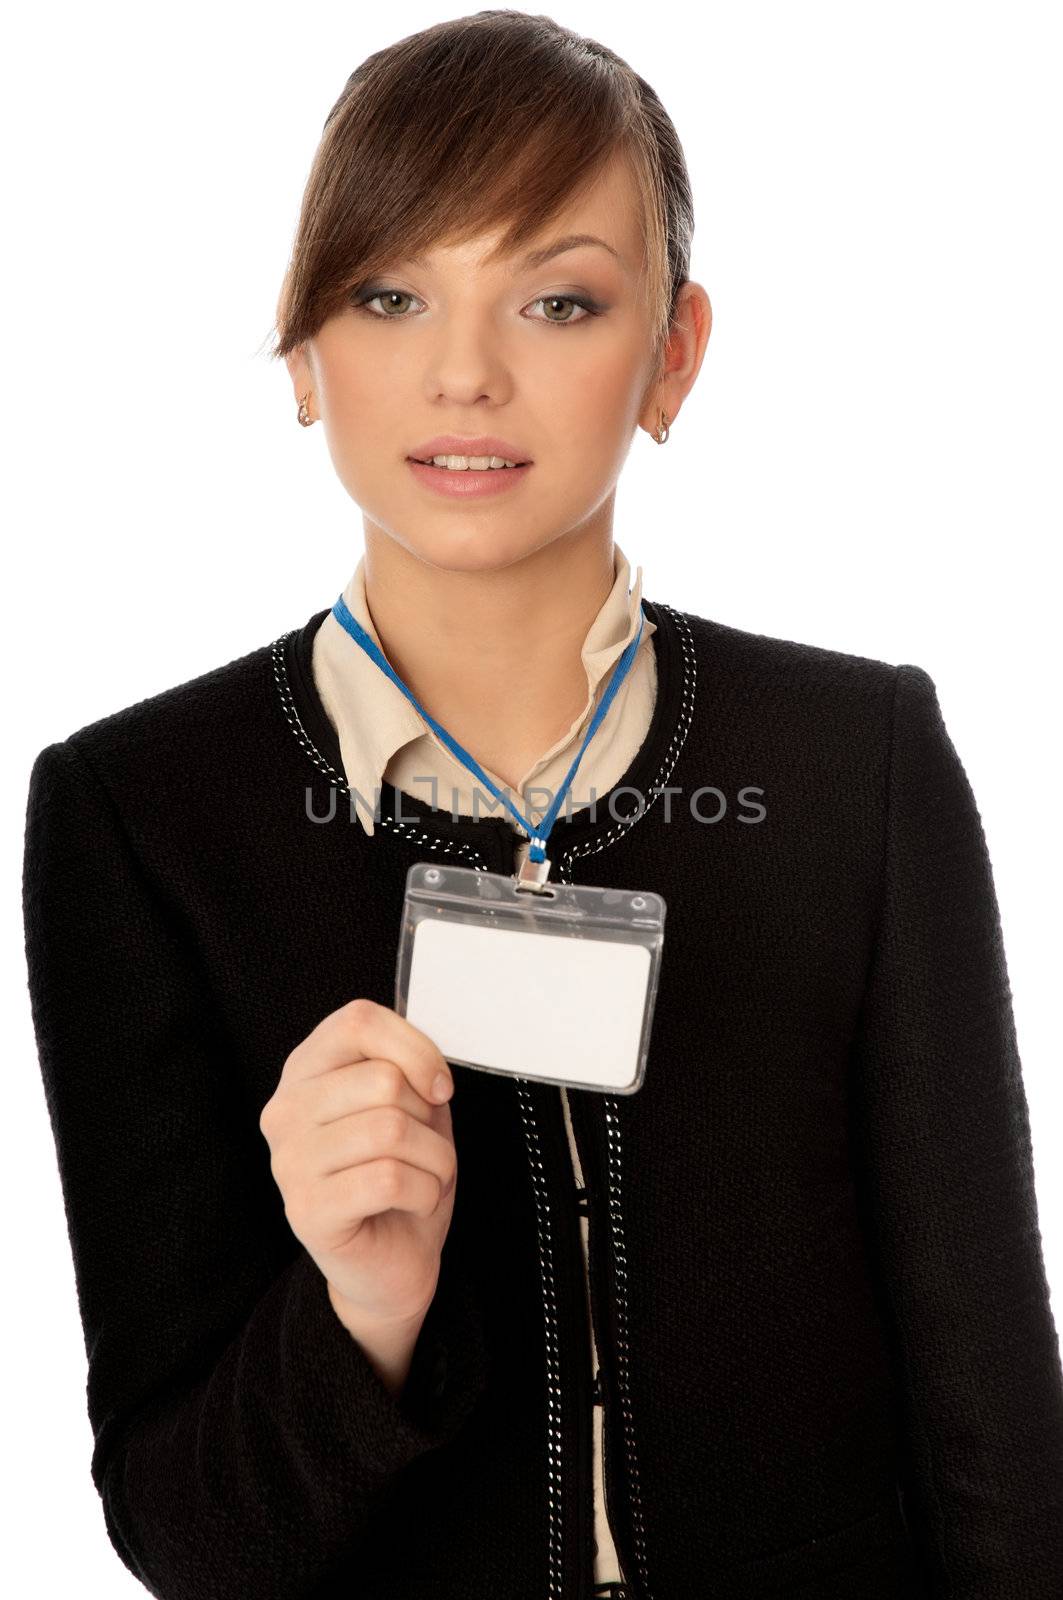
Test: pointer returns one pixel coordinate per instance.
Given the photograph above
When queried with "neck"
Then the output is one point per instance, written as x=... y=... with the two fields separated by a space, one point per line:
x=496 y=657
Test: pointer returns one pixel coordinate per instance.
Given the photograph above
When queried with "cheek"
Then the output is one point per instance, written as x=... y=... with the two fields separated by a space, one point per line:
x=368 y=421
x=349 y=392
x=594 y=393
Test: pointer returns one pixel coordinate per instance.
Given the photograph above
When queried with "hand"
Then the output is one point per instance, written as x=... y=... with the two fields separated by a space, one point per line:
x=364 y=1158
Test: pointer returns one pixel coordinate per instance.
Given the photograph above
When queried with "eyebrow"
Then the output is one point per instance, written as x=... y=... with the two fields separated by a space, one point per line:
x=571 y=241
x=536 y=258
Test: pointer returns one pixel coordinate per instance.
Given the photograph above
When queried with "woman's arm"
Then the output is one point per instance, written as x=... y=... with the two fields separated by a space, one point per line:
x=240 y=1429
x=944 y=1161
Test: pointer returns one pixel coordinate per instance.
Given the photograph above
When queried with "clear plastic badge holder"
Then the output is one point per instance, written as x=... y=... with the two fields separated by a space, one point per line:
x=557 y=986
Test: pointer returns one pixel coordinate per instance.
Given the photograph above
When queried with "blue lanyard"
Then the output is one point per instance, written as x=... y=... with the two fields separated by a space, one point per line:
x=539 y=835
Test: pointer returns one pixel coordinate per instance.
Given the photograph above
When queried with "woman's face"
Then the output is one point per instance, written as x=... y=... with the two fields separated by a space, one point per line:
x=551 y=356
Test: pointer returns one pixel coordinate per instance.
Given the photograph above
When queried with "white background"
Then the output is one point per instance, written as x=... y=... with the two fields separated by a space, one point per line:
x=869 y=462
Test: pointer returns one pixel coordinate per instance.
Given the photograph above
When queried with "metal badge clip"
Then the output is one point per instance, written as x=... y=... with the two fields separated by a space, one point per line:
x=532 y=877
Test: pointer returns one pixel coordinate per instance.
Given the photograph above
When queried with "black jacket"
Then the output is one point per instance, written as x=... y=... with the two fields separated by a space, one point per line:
x=829 y=1361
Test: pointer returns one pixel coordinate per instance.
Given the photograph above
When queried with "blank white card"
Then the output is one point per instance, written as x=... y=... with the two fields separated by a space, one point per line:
x=560 y=1009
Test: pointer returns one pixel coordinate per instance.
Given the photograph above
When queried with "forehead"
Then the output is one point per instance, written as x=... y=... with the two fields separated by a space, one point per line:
x=606 y=210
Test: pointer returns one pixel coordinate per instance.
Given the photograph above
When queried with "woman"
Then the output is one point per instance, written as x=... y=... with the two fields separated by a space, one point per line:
x=776 y=1321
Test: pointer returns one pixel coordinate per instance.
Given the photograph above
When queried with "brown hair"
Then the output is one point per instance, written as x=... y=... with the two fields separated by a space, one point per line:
x=491 y=119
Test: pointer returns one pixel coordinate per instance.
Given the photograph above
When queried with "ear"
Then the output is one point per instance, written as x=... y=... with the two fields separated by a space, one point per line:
x=299 y=372
x=684 y=353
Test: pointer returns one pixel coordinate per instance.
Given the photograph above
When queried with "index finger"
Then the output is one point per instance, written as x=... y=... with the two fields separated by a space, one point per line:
x=362 y=1029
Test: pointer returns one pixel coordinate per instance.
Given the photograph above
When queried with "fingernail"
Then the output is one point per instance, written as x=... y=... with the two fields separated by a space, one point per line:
x=441 y=1087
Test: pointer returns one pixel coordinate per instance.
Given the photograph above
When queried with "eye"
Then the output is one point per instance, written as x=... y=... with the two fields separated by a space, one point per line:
x=363 y=298
x=552 y=301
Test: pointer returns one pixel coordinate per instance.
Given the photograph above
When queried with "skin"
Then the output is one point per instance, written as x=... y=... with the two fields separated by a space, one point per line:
x=482 y=607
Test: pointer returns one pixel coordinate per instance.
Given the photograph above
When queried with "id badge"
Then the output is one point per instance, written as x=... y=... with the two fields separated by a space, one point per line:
x=557 y=986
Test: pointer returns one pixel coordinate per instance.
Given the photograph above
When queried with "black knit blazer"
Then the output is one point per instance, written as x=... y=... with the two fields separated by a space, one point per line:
x=828 y=1358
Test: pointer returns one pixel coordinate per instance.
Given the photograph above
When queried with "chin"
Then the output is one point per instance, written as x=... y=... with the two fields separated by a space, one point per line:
x=471 y=549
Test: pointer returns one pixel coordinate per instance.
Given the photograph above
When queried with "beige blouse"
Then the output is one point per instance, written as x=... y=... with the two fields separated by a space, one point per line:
x=381 y=735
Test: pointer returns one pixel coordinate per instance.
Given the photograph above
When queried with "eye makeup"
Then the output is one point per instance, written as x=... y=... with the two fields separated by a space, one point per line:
x=361 y=298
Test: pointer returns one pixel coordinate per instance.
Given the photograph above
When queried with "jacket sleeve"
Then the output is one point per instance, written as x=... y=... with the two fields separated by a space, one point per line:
x=241 y=1434
x=945 y=1166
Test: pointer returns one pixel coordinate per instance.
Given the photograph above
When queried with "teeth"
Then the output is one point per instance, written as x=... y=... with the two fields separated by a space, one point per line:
x=471 y=463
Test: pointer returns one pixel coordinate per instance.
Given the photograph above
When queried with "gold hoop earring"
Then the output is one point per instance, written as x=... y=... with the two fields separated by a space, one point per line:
x=660 y=433
x=304 y=415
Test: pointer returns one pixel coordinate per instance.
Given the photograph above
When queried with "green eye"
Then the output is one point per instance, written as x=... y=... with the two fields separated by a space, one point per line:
x=387 y=297
x=587 y=308
x=551 y=301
